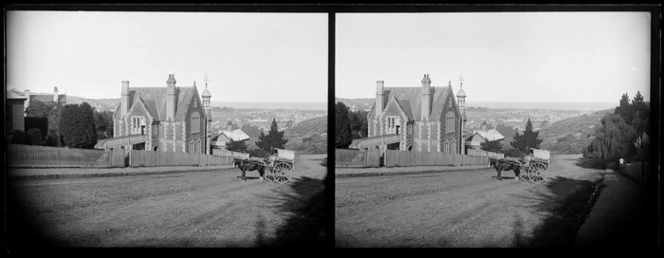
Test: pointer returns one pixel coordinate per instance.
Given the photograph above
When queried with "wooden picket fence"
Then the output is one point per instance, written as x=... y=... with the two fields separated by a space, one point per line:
x=30 y=156
x=221 y=152
x=474 y=152
x=356 y=158
x=140 y=158
x=639 y=171
x=394 y=158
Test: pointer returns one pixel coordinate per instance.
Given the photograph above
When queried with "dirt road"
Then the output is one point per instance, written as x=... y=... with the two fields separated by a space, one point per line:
x=463 y=209
x=197 y=209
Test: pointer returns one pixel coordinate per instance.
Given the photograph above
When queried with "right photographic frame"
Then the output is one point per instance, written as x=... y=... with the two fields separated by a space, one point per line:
x=496 y=129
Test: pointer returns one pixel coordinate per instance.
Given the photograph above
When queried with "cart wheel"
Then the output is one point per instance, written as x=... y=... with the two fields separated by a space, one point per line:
x=282 y=172
x=538 y=172
x=268 y=176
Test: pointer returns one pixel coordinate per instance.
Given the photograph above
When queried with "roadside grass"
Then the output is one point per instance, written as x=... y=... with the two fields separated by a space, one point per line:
x=306 y=226
x=569 y=203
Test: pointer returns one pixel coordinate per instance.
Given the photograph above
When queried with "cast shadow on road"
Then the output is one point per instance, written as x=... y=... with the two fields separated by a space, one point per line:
x=594 y=163
x=566 y=202
x=304 y=200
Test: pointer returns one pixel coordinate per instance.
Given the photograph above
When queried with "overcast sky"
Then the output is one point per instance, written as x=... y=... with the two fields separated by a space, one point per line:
x=543 y=57
x=247 y=56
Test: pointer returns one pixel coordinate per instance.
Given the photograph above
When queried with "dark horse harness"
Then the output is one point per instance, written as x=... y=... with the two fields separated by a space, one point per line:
x=501 y=165
x=248 y=166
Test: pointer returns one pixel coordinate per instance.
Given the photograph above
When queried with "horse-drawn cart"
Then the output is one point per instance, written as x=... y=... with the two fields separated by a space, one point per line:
x=534 y=165
x=278 y=165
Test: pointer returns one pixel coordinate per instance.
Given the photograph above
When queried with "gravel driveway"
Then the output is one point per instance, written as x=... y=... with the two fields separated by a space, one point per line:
x=196 y=209
x=463 y=209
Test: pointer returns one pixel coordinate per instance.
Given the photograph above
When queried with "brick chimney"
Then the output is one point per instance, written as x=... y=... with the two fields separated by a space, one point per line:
x=124 y=102
x=426 y=98
x=379 y=97
x=170 y=97
x=55 y=94
x=27 y=96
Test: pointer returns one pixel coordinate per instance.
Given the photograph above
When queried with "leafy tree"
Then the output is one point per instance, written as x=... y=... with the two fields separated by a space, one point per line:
x=259 y=153
x=512 y=152
x=77 y=126
x=358 y=124
x=237 y=146
x=624 y=110
x=617 y=137
x=289 y=124
x=544 y=124
x=53 y=137
x=342 y=128
x=614 y=139
x=642 y=145
x=104 y=124
x=40 y=123
x=274 y=138
x=529 y=138
x=34 y=137
x=39 y=109
x=18 y=137
x=488 y=125
x=492 y=146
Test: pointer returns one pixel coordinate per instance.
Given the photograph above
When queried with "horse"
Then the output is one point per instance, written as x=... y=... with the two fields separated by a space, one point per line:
x=501 y=165
x=248 y=166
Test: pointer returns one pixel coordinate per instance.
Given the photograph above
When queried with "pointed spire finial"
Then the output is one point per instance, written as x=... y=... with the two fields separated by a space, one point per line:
x=461 y=79
x=206 y=80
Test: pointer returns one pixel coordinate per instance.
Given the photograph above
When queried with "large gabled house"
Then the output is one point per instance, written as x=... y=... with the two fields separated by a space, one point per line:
x=416 y=119
x=169 y=119
x=55 y=98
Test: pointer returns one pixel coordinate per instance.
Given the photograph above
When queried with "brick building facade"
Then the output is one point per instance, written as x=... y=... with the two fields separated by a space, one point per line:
x=426 y=118
x=173 y=119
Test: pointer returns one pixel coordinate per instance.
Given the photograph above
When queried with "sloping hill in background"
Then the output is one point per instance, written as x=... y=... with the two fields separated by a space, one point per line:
x=572 y=135
x=308 y=137
x=103 y=104
x=357 y=104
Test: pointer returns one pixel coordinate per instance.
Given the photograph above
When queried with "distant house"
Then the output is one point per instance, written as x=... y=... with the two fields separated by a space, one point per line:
x=225 y=136
x=169 y=119
x=55 y=98
x=480 y=136
x=423 y=118
x=15 y=119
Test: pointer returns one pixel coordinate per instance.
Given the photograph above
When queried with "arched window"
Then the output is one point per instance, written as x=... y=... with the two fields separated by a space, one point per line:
x=195 y=123
x=449 y=122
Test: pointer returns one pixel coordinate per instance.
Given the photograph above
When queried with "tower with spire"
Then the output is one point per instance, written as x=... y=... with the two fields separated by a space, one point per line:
x=208 y=113
x=461 y=101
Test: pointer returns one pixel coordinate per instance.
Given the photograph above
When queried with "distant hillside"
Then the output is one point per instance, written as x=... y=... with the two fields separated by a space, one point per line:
x=100 y=104
x=571 y=135
x=308 y=137
x=357 y=104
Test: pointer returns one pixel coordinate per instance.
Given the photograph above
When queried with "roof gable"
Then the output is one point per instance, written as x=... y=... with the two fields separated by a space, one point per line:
x=410 y=100
x=184 y=101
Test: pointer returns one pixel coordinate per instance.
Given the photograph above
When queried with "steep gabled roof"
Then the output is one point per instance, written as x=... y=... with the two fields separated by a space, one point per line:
x=490 y=135
x=184 y=101
x=410 y=99
x=155 y=98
